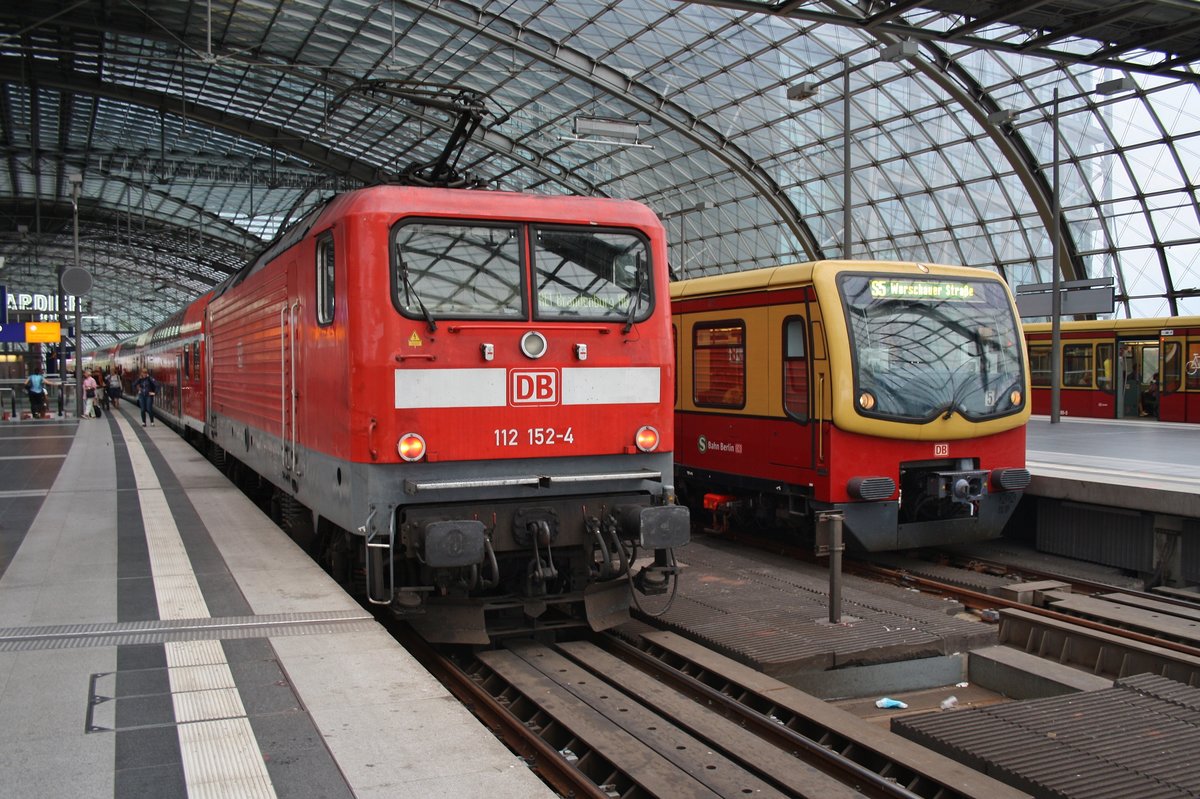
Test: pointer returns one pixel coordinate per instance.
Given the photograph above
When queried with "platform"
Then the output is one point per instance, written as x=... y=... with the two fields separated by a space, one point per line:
x=160 y=637
x=1133 y=464
x=1123 y=493
x=771 y=612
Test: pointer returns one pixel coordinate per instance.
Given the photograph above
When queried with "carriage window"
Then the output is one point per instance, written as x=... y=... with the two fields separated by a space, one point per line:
x=795 y=370
x=1077 y=365
x=1039 y=365
x=1104 y=362
x=187 y=361
x=591 y=274
x=1169 y=367
x=458 y=270
x=719 y=365
x=325 y=279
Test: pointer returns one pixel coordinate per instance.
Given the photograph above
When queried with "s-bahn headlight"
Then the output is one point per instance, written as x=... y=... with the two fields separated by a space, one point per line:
x=411 y=447
x=646 y=439
x=866 y=400
x=1015 y=398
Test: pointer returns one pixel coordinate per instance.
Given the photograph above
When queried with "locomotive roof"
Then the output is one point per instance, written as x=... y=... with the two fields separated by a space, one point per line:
x=397 y=200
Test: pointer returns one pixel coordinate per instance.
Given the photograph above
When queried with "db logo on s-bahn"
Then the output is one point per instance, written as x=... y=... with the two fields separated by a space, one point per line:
x=533 y=387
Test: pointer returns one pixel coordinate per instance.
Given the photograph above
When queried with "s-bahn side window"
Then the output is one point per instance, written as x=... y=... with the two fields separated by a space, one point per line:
x=924 y=346
x=325 y=280
x=719 y=364
x=1039 y=366
x=1169 y=368
x=444 y=269
x=795 y=370
x=187 y=361
x=1104 y=367
x=601 y=275
x=1077 y=365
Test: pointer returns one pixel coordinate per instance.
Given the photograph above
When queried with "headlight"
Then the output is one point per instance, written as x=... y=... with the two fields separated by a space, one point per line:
x=411 y=447
x=646 y=439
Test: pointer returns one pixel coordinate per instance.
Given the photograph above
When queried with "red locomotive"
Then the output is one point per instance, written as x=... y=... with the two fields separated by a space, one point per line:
x=461 y=400
x=894 y=393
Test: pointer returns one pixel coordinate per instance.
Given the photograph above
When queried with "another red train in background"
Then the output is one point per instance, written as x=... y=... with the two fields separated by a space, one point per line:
x=1121 y=368
x=461 y=400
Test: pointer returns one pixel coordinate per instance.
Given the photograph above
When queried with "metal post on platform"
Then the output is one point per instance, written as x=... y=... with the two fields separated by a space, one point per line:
x=830 y=523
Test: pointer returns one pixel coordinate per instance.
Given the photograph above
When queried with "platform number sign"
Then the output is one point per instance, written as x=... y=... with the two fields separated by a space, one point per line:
x=941 y=450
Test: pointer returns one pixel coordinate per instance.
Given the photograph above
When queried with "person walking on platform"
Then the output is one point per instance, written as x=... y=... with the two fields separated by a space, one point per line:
x=102 y=391
x=35 y=384
x=114 y=389
x=146 y=387
x=89 y=394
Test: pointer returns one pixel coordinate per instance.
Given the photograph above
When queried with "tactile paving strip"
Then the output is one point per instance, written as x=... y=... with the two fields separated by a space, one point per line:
x=67 y=636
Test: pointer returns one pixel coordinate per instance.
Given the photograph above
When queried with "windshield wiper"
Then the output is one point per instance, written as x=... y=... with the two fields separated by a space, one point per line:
x=409 y=290
x=636 y=302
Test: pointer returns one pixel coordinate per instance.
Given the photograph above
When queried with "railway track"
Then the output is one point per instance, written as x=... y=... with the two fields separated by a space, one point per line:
x=654 y=715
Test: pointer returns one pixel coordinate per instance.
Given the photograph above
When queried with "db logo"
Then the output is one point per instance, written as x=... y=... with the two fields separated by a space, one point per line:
x=941 y=450
x=529 y=387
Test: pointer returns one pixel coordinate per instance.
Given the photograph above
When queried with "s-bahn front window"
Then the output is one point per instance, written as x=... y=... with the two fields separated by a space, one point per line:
x=924 y=347
x=591 y=274
x=445 y=269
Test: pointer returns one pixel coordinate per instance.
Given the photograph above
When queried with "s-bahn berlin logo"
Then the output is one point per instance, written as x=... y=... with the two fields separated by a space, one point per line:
x=533 y=387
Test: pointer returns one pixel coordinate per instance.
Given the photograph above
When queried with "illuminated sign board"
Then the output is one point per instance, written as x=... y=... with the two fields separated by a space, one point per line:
x=42 y=332
x=31 y=333
x=896 y=288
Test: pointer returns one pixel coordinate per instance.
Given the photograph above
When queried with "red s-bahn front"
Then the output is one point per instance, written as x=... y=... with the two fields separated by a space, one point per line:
x=489 y=383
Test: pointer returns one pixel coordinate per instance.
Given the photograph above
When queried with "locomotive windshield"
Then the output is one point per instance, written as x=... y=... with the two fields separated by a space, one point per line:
x=591 y=274
x=445 y=269
x=929 y=346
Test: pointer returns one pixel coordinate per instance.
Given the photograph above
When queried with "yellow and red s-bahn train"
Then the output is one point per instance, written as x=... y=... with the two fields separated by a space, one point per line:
x=896 y=393
x=458 y=401
x=1120 y=368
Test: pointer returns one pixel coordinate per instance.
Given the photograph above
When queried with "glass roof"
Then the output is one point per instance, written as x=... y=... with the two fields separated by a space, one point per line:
x=196 y=141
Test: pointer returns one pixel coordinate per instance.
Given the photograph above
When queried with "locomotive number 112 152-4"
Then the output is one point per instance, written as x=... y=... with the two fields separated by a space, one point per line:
x=533 y=436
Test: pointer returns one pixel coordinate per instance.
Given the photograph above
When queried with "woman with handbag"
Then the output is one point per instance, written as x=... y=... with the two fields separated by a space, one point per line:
x=89 y=394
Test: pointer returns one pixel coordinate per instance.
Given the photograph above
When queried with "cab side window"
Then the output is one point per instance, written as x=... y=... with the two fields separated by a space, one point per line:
x=325 y=279
x=795 y=369
x=719 y=364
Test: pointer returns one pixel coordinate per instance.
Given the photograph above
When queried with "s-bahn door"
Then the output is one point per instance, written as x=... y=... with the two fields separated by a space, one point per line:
x=1137 y=368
